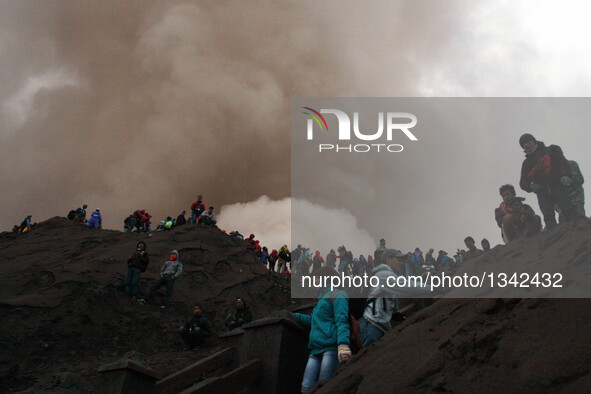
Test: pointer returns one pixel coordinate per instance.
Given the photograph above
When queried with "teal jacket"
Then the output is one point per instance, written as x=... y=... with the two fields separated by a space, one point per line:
x=329 y=323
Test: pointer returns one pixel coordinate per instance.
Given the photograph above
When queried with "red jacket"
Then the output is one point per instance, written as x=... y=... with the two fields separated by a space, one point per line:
x=198 y=205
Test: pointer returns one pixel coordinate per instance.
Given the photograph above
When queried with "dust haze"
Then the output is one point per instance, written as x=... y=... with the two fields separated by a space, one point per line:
x=128 y=105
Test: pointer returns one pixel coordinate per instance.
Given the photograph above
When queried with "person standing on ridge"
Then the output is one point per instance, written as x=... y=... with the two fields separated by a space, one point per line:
x=136 y=264
x=546 y=172
x=170 y=271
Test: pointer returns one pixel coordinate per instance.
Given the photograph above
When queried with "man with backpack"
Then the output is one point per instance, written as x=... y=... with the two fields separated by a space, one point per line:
x=197 y=208
x=25 y=225
x=80 y=214
x=382 y=299
x=546 y=172
x=283 y=258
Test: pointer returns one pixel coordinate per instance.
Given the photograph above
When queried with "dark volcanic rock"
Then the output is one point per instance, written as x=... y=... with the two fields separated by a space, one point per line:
x=63 y=308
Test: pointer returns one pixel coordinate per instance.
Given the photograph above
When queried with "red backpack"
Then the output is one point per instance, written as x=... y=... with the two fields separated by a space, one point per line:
x=355 y=342
x=540 y=172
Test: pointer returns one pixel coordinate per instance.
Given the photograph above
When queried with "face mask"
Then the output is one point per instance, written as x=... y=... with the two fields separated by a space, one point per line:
x=173 y=257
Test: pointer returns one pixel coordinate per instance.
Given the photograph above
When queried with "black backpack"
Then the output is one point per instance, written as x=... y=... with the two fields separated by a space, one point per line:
x=71 y=215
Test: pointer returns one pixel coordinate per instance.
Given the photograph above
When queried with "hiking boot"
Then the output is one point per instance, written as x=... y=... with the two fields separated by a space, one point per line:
x=141 y=301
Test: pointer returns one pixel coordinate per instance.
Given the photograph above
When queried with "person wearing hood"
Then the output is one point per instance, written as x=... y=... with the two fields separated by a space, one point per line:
x=169 y=272
x=382 y=300
x=180 y=220
x=96 y=219
x=546 y=172
x=136 y=264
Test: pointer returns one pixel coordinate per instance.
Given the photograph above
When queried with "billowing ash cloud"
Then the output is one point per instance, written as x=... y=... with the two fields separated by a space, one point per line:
x=272 y=223
x=142 y=104
x=269 y=221
x=127 y=105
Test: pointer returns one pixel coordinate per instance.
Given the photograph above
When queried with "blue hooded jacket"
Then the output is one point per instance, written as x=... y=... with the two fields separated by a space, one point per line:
x=329 y=322
x=95 y=219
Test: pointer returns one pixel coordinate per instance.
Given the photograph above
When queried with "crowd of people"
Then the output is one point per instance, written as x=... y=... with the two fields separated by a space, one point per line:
x=334 y=334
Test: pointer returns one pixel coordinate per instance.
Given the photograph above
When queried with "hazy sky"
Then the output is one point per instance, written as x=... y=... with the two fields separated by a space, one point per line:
x=142 y=104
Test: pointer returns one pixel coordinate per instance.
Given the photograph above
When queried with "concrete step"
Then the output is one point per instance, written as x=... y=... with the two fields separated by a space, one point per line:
x=220 y=361
x=236 y=380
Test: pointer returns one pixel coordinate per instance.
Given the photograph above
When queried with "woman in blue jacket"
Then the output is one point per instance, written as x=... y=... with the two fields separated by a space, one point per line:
x=329 y=335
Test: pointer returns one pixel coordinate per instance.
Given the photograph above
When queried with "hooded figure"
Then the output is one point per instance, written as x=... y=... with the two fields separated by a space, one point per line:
x=180 y=220
x=382 y=300
x=96 y=219
x=169 y=272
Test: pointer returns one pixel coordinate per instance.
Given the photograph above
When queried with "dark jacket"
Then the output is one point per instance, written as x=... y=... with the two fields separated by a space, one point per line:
x=200 y=322
x=137 y=260
x=559 y=166
x=180 y=220
x=243 y=314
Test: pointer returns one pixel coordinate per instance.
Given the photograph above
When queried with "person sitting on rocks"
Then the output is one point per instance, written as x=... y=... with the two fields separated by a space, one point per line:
x=208 y=217
x=96 y=219
x=515 y=222
x=25 y=225
x=472 y=252
x=240 y=317
x=180 y=220
x=80 y=214
x=196 y=330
